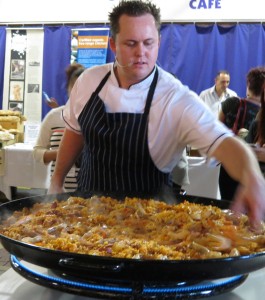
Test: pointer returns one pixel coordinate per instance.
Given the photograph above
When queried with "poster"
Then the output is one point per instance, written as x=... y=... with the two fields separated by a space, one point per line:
x=17 y=72
x=23 y=66
x=89 y=46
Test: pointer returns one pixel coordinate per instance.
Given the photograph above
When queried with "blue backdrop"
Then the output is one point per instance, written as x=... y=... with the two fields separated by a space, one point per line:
x=194 y=53
x=2 y=61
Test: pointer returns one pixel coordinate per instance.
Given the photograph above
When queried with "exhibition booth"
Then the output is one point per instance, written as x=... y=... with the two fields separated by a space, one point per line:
x=197 y=40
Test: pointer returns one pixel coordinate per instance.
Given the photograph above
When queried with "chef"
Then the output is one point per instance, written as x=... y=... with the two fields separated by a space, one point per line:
x=132 y=120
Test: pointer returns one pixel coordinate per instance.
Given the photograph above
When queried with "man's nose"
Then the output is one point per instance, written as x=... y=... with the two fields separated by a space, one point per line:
x=140 y=49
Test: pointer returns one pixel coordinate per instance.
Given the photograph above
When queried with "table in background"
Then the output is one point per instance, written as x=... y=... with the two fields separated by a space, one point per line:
x=21 y=170
x=203 y=178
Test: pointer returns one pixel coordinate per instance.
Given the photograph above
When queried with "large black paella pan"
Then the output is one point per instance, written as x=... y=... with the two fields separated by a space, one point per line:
x=127 y=269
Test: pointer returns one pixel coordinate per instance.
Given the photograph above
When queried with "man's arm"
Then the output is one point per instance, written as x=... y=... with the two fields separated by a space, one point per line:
x=240 y=162
x=70 y=147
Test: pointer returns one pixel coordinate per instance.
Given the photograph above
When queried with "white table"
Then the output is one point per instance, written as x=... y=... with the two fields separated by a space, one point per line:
x=21 y=170
x=203 y=178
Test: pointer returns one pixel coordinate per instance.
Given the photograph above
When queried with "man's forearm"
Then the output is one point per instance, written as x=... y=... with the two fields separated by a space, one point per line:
x=237 y=158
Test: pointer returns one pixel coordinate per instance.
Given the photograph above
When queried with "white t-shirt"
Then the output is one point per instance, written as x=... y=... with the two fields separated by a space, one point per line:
x=177 y=115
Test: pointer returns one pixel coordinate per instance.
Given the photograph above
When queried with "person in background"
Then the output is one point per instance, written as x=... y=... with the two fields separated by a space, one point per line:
x=214 y=96
x=256 y=133
x=52 y=103
x=132 y=121
x=51 y=132
x=237 y=114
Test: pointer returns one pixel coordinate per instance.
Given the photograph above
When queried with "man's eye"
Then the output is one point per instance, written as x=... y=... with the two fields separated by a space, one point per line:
x=148 y=43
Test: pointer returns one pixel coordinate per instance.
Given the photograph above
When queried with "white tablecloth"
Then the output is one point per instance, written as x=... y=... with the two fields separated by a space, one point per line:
x=203 y=178
x=20 y=169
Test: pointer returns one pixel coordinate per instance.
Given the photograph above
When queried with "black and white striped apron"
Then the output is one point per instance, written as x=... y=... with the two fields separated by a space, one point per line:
x=116 y=155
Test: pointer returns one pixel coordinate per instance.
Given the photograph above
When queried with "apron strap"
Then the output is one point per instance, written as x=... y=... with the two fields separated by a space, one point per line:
x=151 y=93
x=103 y=81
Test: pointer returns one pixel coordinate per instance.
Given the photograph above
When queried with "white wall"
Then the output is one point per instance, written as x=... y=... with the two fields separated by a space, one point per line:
x=93 y=11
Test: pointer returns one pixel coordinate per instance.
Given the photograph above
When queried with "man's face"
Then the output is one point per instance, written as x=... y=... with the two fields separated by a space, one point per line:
x=222 y=82
x=136 y=47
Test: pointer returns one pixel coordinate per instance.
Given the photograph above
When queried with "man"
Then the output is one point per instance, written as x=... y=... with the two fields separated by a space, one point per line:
x=132 y=120
x=218 y=93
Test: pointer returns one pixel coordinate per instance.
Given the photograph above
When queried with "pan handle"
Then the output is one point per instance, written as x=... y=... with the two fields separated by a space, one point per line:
x=72 y=263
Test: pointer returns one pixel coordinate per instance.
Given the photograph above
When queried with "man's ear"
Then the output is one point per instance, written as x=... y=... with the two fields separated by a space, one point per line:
x=112 y=44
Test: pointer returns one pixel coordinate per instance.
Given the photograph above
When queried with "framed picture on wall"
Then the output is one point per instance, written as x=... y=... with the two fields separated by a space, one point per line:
x=17 y=69
x=16 y=91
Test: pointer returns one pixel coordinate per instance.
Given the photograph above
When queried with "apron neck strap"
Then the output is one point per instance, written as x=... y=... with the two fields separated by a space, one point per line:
x=151 y=93
x=103 y=81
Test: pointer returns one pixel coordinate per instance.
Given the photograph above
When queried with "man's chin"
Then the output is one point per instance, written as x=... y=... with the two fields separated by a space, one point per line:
x=141 y=72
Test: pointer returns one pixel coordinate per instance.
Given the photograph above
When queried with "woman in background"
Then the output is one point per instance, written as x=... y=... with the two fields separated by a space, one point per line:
x=256 y=134
x=51 y=132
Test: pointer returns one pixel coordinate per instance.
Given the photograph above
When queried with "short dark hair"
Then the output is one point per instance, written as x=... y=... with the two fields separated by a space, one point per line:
x=222 y=72
x=255 y=80
x=133 y=8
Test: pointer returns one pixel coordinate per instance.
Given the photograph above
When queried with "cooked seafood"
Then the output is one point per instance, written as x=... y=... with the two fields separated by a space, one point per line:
x=135 y=228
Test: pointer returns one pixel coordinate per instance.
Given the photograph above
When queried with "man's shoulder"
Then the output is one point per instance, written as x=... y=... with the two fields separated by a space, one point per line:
x=98 y=70
x=231 y=93
x=207 y=91
x=91 y=77
x=169 y=81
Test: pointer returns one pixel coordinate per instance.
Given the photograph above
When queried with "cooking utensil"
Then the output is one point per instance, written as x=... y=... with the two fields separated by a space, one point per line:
x=81 y=265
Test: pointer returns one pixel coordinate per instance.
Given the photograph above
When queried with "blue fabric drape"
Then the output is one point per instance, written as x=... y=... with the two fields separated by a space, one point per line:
x=194 y=53
x=2 y=61
x=56 y=57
